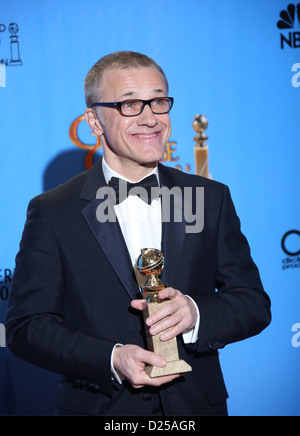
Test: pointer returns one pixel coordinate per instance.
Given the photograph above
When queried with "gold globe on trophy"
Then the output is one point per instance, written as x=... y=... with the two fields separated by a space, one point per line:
x=150 y=264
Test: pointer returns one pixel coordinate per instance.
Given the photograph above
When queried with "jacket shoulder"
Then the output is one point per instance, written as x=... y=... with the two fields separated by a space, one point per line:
x=63 y=192
x=180 y=178
x=84 y=185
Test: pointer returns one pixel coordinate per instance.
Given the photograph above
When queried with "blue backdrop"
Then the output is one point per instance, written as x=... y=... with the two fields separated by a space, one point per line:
x=237 y=62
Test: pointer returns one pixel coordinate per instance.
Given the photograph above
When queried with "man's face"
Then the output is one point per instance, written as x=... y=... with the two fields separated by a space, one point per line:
x=131 y=142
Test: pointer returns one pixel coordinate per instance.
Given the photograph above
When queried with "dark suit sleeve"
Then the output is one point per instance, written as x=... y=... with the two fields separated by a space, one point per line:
x=36 y=331
x=240 y=308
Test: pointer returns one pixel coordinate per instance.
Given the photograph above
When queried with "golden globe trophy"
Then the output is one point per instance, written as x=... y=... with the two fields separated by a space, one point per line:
x=200 y=124
x=150 y=265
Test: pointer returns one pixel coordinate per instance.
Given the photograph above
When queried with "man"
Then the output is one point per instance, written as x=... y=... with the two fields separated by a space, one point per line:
x=75 y=305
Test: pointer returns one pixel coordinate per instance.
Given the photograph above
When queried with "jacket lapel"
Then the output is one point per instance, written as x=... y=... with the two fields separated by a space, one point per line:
x=172 y=232
x=108 y=234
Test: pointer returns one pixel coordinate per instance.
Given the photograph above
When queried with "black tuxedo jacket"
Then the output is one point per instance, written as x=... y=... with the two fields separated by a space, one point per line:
x=73 y=283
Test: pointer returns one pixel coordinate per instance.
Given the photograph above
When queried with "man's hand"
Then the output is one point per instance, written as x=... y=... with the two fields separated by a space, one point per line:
x=180 y=314
x=130 y=361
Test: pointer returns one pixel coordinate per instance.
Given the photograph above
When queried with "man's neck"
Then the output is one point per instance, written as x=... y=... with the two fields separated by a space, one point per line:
x=131 y=171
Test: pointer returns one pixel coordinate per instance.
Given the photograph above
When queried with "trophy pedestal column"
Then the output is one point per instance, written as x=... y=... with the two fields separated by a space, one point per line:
x=167 y=349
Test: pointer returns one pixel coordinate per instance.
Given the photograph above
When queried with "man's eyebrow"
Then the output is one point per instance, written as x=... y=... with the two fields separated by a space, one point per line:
x=159 y=91
x=134 y=93
x=127 y=94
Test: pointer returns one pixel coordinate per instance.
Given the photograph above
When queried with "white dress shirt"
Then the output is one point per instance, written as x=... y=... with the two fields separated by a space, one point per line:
x=140 y=222
x=141 y=228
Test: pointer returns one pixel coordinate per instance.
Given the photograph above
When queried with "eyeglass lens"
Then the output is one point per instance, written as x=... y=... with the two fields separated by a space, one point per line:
x=135 y=107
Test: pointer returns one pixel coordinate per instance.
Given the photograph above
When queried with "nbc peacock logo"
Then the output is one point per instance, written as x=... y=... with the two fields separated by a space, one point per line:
x=290 y=19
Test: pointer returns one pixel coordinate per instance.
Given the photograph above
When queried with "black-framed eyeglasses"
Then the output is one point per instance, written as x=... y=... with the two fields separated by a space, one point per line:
x=132 y=108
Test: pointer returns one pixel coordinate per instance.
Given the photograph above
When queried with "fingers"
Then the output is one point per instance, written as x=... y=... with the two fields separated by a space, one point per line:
x=159 y=381
x=168 y=293
x=164 y=294
x=176 y=317
x=130 y=361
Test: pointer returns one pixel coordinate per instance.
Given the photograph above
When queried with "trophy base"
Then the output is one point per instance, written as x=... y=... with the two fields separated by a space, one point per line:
x=173 y=367
x=15 y=63
x=167 y=349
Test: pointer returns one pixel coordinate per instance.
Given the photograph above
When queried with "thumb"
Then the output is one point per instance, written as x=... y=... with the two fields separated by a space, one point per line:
x=154 y=359
x=138 y=304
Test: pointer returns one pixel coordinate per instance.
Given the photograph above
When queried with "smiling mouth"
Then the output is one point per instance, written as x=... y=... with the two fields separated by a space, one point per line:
x=145 y=136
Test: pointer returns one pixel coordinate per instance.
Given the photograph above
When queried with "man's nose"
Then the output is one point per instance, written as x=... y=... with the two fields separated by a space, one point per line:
x=147 y=117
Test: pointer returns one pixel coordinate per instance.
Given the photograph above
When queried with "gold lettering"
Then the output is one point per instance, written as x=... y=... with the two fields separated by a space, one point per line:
x=92 y=148
x=169 y=152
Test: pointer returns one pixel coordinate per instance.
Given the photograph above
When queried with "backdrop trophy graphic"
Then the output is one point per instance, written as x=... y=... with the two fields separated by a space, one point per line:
x=14 y=45
x=200 y=124
x=150 y=265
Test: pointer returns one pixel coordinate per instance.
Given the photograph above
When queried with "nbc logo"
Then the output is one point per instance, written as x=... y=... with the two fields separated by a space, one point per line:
x=290 y=19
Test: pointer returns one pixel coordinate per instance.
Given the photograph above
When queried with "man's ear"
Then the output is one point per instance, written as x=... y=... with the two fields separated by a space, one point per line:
x=93 y=121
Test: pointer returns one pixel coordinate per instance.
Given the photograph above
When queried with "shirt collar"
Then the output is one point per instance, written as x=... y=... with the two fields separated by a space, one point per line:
x=109 y=173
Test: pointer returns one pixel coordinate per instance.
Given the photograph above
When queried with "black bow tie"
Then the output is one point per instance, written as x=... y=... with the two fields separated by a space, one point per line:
x=123 y=188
